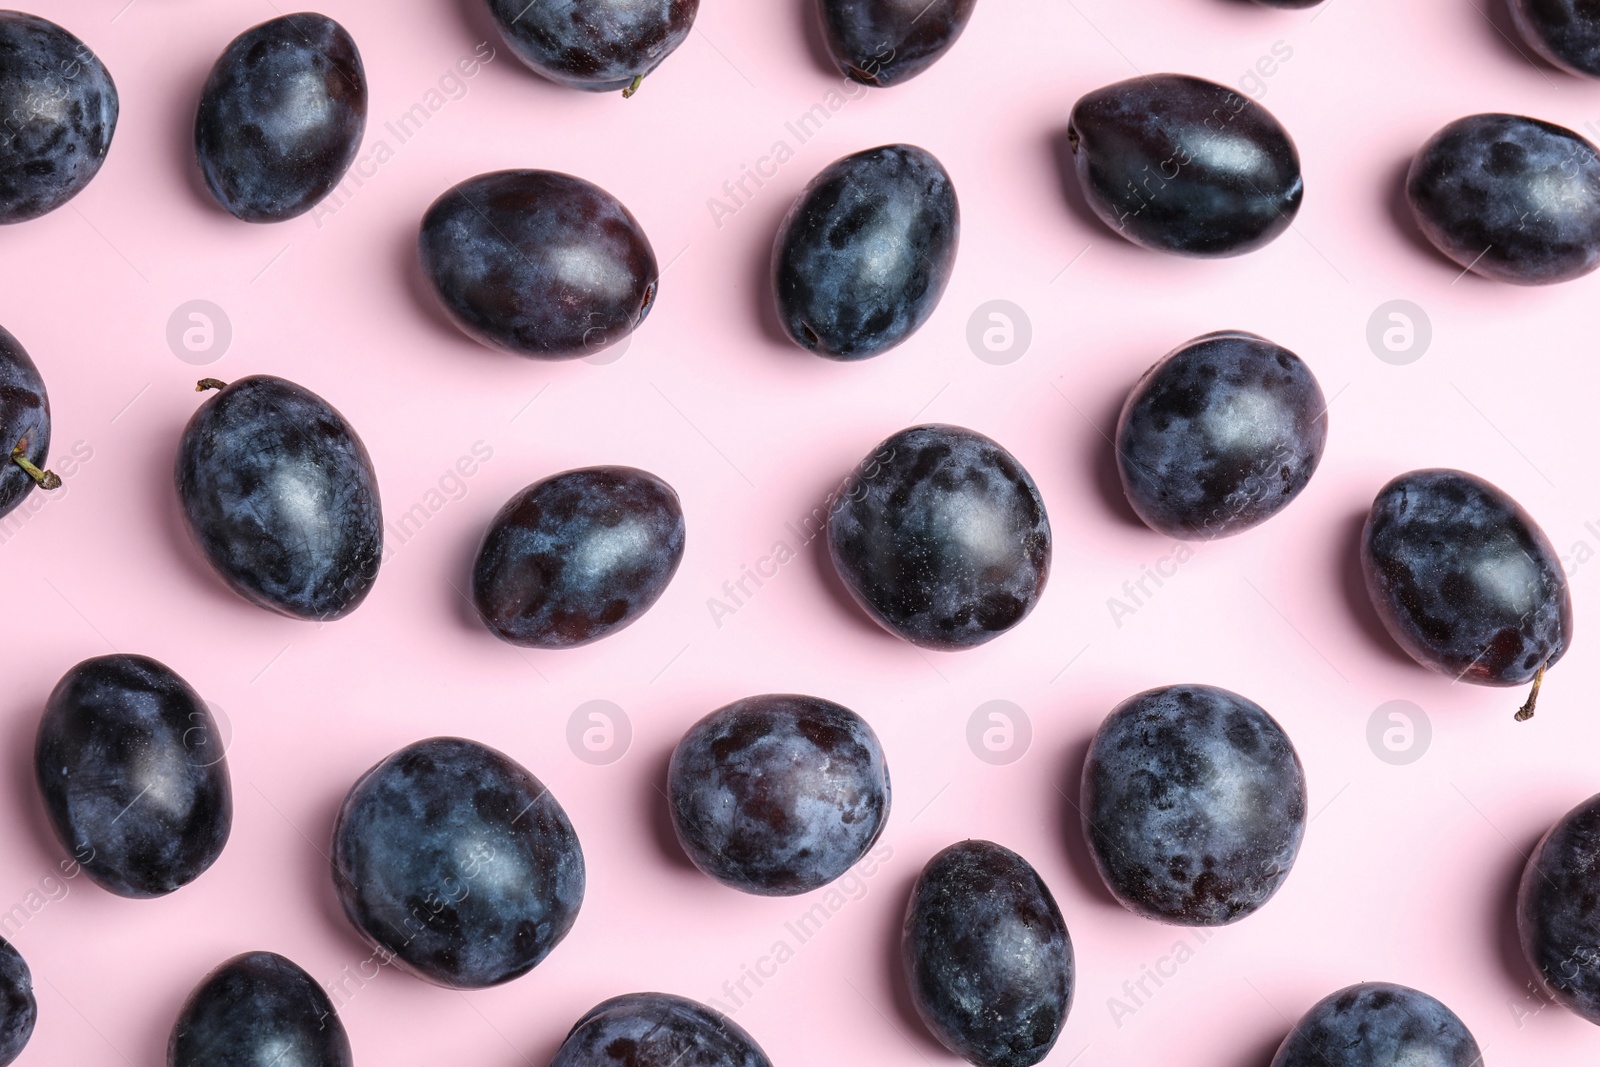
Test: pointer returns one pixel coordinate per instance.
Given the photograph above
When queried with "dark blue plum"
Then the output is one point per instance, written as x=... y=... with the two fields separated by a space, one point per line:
x=281 y=498
x=1558 y=911
x=1379 y=1024
x=281 y=117
x=18 y=1008
x=58 y=110
x=1220 y=435
x=779 y=794
x=1511 y=198
x=865 y=253
x=578 y=556
x=24 y=426
x=258 y=1009
x=596 y=45
x=987 y=956
x=130 y=763
x=1194 y=805
x=657 y=1030
x=1465 y=581
x=941 y=536
x=885 y=42
x=453 y=858
x=1184 y=165
x=538 y=263
x=1566 y=32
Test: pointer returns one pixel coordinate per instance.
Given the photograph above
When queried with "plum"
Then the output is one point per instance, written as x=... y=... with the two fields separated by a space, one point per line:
x=1379 y=1024
x=885 y=42
x=255 y=1009
x=1566 y=32
x=19 y=1010
x=596 y=45
x=1558 y=911
x=24 y=426
x=657 y=1030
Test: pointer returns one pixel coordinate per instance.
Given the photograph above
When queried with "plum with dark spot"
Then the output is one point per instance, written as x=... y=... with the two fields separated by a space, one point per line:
x=538 y=263
x=452 y=858
x=1193 y=804
x=19 y=1010
x=886 y=42
x=596 y=45
x=578 y=556
x=987 y=956
x=657 y=1030
x=130 y=762
x=1566 y=32
x=281 y=117
x=779 y=794
x=256 y=1009
x=24 y=426
x=942 y=537
x=866 y=251
x=1379 y=1024
x=1558 y=911
x=1465 y=581
x=1220 y=435
x=58 y=111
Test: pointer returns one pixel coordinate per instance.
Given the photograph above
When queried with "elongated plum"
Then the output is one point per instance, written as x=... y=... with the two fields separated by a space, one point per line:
x=942 y=537
x=453 y=858
x=596 y=45
x=1558 y=911
x=657 y=1030
x=1379 y=1024
x=1465 y=581
x=779 y=794
x=538 y=263
x=258 y=1008
x=19 y=1010
x=281 y=498
x=1220 y=436
x=885 y=42
x=1184 y=165
x=24 y=426
x=130 y=763
x=1193 y=804
x=864 y=255
x=578 y=556
x=1511 y=198
x=1566 y=32
x=987 y=956
x=281 y=117
x=58 y=107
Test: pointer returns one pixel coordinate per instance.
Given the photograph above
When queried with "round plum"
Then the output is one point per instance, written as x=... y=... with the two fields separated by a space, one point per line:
x=24 y=426
x=1558 y=911
x=1379 y=1024
x=19 y=1010
x=596 y=45
x=657 y=1030
x=886 y=42
x=1566 y=32
x=255 y=1009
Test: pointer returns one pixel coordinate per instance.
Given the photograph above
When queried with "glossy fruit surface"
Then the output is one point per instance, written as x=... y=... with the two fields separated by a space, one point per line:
x=864 y=255
x=281 y=117
x=1184 y=165
x=59 y=109
x=1511 y=198
x=885 y=42
x=18 y=1008
x=452 y=857
x=538 y=263
x=1220 y=435
x=258 y=1008
x=1566 y=32
x=281 y=498
x=657 y=1030
x=1194 y=805
x=130 y=763
x=1378 y=1024
x=578 y=556
x=598 y=45
x=942 y=537
x=1558 y=911
x=1464 y=580
x=778 y=794
x=24 y=423
x=987 y=956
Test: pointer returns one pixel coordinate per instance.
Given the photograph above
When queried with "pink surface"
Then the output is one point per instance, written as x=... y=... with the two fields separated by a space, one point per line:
x=1407 y=873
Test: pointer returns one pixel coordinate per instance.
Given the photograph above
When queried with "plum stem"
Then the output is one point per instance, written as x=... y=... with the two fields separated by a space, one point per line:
x=46 y=479
x=1525 y=712
x=209 y=383
x=638 y=80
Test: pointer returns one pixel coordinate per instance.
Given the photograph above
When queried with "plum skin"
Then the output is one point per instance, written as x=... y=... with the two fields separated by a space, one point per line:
x=452 y=858
x=19 y=1009
x=1161 y=809
x=780 y=794
x=542 y=264
x=595 y=45
x=1378 y=1024
x=1220 y=435
x=117 y=728
x=59 y=108
x=657 y=1030
x=258 y=1007
x=884 y=42
x=578 y=556
x=1565 y=32
x=1558 y=914
x=24 y=421
x=281 y=117
x=987 y=956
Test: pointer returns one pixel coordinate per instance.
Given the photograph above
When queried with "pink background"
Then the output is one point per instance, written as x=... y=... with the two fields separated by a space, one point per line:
x=1408 y=872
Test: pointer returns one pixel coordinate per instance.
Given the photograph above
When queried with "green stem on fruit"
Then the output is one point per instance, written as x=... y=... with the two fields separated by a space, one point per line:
x=1525 y=712
x=209 y=383
x=638 y=80
x=46 y=479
